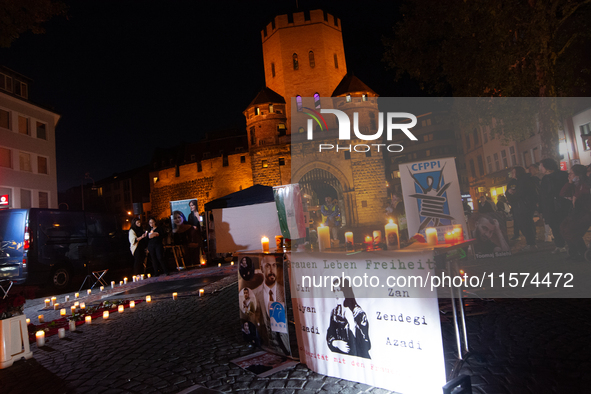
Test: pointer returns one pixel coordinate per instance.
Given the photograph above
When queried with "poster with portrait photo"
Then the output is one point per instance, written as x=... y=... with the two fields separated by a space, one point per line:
x=261 y=286
x=180 y=212
x=490 y=231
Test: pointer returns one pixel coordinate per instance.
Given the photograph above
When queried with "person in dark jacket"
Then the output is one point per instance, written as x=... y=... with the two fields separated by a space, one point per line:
x=485 y=205
x=155 y=248
x=576 y=224
x=553 y=207
x=523 y=198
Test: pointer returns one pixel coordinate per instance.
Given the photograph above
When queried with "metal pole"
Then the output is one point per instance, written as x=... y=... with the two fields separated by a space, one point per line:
x=455 y=316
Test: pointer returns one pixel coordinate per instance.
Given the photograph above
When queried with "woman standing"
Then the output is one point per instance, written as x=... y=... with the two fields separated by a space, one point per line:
x=137 y=244
x=523 y=198
x=552 y=206
x=196 y=233
x=155 y=247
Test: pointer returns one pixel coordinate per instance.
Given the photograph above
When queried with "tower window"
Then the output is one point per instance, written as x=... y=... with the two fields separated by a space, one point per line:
x=281 y=129
x=347 y=155
x=281 y=161
x=311 y=57
x=348 y=98
x=299 y=103
x=364 y=97
x=265 y=164
x=242 y=159
x=257 y=111
x=273 y=69
x=270 y=108
x=225 y=162
x=336 y=61
x=295 y=61
x=316 y=101
x=252 y=137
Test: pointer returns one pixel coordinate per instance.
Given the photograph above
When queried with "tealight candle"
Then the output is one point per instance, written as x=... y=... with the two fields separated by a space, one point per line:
x=132 y=304
x=53 y=300
x=28 y=321
x=174 y=296
x=47 y=302
x=148 y=299
x=368 y=243
x=82 y=305
x=102 y=288
x=232 y=263
x=120 y=283
x=76 y=304
x=67 y=298
x=201 y=292
x=72 y=325
x=133 y=278
x=105 y=314
x=219 y=264
x=88 y=319
x=76 y=295
x=73 y=308
x=124 y=281
x=41 y=319
x=88 y=291
x=431 y=234
x=458 y=232
x=61 y=333
x=120 y=308
x=143 y=276
x=112 y=284
x=56 y=306
x=40 y=336
x=449 y=237
x=149 y=276
x=348 y=237
x=265 y=244
x=63 y=312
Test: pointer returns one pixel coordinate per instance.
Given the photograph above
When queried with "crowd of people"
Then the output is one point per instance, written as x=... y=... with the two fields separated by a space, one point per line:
x=562 y=200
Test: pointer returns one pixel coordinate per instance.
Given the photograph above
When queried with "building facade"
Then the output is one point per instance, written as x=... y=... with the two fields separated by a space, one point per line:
x=28 y=174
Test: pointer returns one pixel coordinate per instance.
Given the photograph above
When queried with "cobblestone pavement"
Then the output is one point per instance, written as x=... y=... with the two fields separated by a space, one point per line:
x=518 y=346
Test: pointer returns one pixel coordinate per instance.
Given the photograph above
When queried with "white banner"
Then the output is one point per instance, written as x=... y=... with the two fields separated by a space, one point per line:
x=432 y=197
x=391 y=340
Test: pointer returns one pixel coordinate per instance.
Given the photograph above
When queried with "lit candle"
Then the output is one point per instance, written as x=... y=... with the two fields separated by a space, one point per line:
x=349 y=237
x=265 y=244
x=76 y=295
x=105 y=314
x=56 y=306
x=368 y=243
x=392 y=235
x=132 y=304
x=149 y=276
x=449 y=237
x=53 y=300
x=459 y=232
x=120 y=308
x=63 y=312
x=28 y=321
x=73 y=308
x=148 y=299
x=88 y=319
x=67 y=298
x=377 y=237
x=143 y=276
x=61 y=333
x=112 y=284
x=82 y=305
x=201 y=292
x=47 y=302
x=431 y=234
x=120 y=283
x=72 y=325
x=134 y=278
x=124 y=281
x=41 y=319
x=323 y=237
x=88 y=291
x=232 y=263
x=174 y=296
x=76 y=304
x=219 y=264
x=102 y=288
x=40 y=335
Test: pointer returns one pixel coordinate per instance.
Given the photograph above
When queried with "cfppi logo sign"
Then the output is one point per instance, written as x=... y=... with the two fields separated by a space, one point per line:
x=345 y=124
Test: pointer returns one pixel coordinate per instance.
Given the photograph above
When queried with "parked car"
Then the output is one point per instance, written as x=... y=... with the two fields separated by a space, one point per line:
x=40 y=246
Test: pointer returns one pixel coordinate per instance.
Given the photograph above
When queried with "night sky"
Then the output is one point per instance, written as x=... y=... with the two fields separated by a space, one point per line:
x=130 y=76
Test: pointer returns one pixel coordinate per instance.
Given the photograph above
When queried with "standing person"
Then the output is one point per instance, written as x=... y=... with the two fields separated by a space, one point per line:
x=574 y=227
x=511 y=185
x=155 y=247
x=485 y=205
x=502 y=205
x=331 y=216
x=138 y=242
x=534 y=172
x=523 y=198
x=552 y=206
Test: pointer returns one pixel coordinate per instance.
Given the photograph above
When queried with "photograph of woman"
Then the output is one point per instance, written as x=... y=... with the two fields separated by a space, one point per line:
x=195 y=233
x=348 y=331
x=138 y=241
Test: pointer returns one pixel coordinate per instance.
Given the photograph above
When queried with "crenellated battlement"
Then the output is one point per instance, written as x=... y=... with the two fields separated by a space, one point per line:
x=300 y=19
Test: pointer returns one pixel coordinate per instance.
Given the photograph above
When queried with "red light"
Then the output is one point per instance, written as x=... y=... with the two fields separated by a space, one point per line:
x=27 y=237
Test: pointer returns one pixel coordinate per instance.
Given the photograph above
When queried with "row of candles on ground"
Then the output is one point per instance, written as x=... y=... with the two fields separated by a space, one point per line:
x=450 y=238
x=40 y=335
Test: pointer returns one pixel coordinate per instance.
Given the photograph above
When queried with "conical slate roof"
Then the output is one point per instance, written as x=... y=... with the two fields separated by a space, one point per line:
x=349 y=84
x=267 y=96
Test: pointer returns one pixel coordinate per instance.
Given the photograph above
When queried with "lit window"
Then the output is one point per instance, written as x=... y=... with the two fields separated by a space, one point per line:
x=25 y=161
x=23 y=125
x=299 y=103
x=364 y=97
x=348 y=98
x=41 y=131
x=311 y=57
x=4 y=119
x=295 y=61
x=396 y=174
x=42 y=165
x=257 y=111
x=281 y=129
x=265 y=164
x=316 y=101
x=270 y=108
